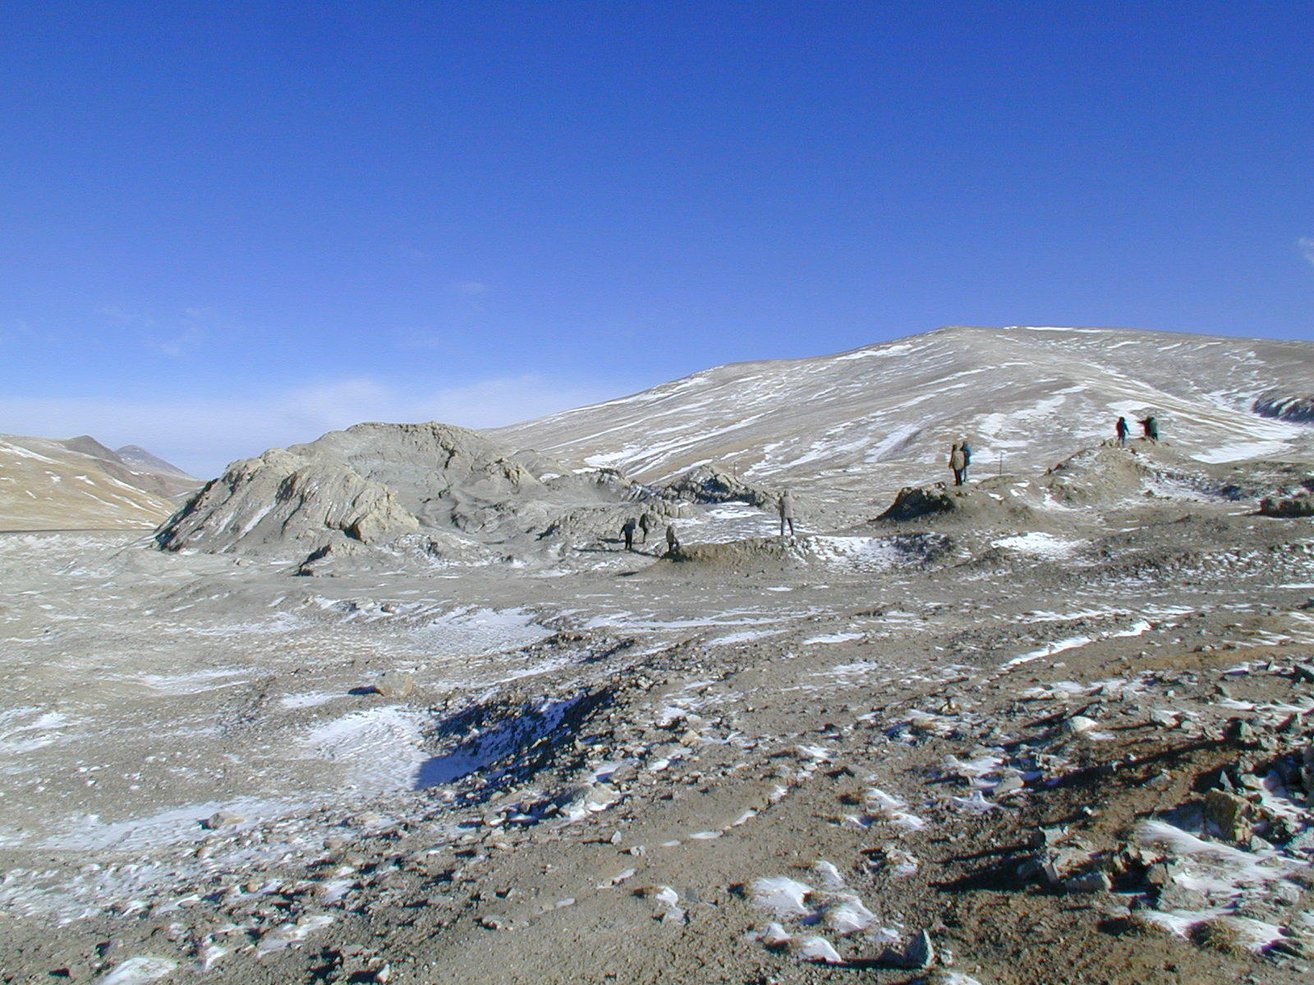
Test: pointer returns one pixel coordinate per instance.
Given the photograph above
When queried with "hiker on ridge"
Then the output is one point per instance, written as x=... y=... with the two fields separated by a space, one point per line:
x=627 y=531
x=786 y=509
x=646 y=522
x=1123 y=431
x=957 y=462
x=1151 y=428
x=967 y=457
x=672 y=542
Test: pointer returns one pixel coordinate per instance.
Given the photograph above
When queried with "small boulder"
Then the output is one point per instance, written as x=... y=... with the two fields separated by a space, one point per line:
x=395 y=684
x=221 y=819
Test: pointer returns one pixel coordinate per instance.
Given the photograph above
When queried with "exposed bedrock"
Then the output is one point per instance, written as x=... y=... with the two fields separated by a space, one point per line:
x=376 y=483
x=1286 y=407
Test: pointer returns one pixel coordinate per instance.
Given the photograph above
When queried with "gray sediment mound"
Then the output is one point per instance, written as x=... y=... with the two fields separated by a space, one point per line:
x=374 y=484
x=707 y=484
x=999 y=501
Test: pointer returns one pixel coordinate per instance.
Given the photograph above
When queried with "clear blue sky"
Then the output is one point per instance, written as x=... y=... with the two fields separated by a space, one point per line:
x=229 y=226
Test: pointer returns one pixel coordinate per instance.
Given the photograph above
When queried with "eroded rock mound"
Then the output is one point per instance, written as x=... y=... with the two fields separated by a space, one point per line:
x=994 y=502
x=1286 y=407
x=281 y=497
x=373 y=484
x=707 y=484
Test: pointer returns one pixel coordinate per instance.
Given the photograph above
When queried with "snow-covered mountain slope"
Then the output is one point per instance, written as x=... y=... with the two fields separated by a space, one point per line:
x=872 y=420
x=78 y=483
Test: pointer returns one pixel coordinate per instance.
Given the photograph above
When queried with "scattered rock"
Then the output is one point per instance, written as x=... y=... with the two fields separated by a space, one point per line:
x=220 y=819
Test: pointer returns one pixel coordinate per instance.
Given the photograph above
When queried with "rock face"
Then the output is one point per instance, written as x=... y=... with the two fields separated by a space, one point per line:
x=1286 y=407
x=376 y=483
x=281 y=496
x=706 y=484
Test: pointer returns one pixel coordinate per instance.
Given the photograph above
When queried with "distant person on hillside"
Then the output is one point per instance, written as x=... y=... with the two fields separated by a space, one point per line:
x=646 y=522
x=957 y=462
x=1123 y=430
x=672 y=542
x=967 y=457
x=1151 y=428
x=627 y=531
x=786 y=509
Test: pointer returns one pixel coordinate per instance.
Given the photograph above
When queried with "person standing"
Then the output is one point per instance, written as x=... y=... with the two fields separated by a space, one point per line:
x=1123 y=431
x=672 y=542
x=786 y=509
x=956 y=460
x=627 y=531
x=646 y=522
x=967 y=457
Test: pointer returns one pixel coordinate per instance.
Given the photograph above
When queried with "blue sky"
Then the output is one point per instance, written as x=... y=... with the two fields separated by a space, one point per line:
x=230 y=226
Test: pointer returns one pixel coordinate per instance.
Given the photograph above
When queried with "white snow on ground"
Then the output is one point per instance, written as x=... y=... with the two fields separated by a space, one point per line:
x=856 y=553
x=379 y=749
x=747 y=636
x=137 y=971
x=833 y=638
x=18 y=736
x=1049 y=649
x=472 y=631
x=177 y=824
x=294 y=701
x=1040 y=544
x=196 y=682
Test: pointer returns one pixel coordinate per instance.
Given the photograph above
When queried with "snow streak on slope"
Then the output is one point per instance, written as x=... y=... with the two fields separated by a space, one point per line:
x=884 y=416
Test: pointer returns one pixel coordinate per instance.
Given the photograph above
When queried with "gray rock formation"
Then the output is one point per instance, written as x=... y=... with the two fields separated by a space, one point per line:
x=707 y=484
x=373 y=484
x=1286 y=407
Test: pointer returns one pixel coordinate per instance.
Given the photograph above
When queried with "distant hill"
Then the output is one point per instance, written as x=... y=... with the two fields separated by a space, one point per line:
x=135 y=456
x=79 y=483
x=857 y=426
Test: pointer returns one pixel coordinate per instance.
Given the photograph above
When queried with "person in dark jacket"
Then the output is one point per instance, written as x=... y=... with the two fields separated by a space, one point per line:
x=967 y=457
x=1151 y=428
x=646 y=522
x=672 y=542
x=627 y=531
x=1123 y=430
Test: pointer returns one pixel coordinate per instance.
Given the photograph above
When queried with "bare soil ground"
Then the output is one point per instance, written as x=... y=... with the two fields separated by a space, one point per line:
x=1076 y=750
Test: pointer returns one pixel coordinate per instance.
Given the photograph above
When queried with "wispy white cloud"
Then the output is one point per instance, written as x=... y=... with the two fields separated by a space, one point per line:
x=470 y=288
x=202 y=434
x=176 y=336
x=1306 y=244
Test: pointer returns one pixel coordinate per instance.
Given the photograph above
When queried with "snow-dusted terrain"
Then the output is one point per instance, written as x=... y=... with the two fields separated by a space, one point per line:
x=1056 y=725
x=78 y=483
x=853 y=428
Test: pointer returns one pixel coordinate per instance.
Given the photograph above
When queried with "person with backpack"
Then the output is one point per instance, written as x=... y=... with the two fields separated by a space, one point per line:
x=956 y=463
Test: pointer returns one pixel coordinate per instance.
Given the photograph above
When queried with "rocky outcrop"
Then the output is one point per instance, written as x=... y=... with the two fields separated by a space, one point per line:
x=373 y=484
x=707 y=484
x=281 y=497
x=1286 y=407
x=1293 y=507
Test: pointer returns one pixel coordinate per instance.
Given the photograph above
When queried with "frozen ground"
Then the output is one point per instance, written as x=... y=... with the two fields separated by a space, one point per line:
x=766 y=763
